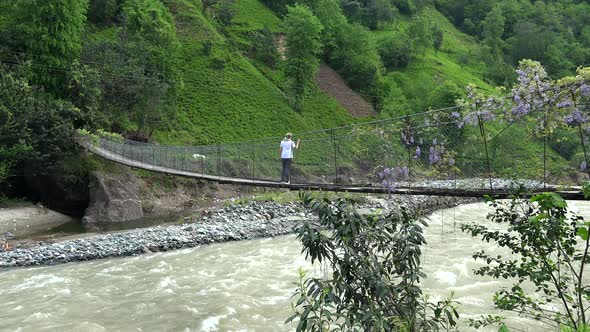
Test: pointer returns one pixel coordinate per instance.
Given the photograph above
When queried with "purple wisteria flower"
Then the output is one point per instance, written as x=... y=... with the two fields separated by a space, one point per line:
x=575 y=118
x=436 y=152
x=407 y=137
x=474 y=117
x=391 y=177
x=434 y=156
x=583 y=166
x=480 y=108
x=455 y=115
x=418 y=153
x=585 y=90
x=533 y=90
x=564 y=104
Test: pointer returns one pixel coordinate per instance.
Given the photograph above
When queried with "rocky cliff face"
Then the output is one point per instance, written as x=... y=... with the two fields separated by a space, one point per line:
x=113 y=198
x=119 y=195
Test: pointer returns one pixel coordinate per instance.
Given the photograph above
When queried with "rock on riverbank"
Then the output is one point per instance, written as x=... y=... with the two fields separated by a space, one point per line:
x=232 y=223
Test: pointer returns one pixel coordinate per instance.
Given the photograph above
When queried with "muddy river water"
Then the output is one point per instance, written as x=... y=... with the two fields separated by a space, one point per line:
x=237 y=286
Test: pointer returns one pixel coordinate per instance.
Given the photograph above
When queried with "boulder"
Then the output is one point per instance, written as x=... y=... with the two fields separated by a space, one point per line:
x=114 y=198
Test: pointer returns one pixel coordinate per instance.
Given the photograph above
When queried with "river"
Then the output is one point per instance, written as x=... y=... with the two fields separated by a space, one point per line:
x=237 y=286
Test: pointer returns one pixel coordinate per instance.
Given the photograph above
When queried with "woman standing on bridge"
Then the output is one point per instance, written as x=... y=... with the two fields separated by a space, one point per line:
x=286 y=152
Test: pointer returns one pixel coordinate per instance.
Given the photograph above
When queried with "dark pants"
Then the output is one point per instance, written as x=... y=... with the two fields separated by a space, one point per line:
x=286 y=177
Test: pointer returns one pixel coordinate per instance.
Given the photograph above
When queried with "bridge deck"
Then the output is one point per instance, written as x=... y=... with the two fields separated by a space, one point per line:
x=457 y=192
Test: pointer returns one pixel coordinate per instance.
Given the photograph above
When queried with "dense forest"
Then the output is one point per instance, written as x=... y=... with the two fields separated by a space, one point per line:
x=198 y=72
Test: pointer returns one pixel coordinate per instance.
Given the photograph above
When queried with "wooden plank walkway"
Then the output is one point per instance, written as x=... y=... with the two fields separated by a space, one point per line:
x=570 y=194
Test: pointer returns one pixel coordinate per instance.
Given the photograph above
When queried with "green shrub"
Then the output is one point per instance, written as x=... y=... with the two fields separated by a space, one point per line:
x=104 y=11
x=398 y=51
x=374 y=265
x=265 y=47
x=549 y=249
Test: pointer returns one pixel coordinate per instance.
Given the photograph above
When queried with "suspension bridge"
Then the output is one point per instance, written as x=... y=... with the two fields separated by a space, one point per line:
x=430 y=153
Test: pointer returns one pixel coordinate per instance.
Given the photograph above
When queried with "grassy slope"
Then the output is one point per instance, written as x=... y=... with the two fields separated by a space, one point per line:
x=253 y=15
x=429 y=70
x=235 y=102
x=244 y=99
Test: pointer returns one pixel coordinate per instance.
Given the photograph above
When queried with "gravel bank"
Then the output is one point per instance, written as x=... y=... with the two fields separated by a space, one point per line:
x=231 y=223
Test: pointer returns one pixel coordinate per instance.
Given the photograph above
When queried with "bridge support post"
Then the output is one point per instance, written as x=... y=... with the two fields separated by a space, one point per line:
x=219 y=160
x=253 y=156
x=482 y=131
x=333 y=139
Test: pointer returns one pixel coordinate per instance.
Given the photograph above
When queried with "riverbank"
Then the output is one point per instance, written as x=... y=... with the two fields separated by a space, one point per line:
x=231 y=223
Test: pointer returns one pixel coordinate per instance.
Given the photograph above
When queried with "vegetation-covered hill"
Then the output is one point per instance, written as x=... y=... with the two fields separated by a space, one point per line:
x=209 y=71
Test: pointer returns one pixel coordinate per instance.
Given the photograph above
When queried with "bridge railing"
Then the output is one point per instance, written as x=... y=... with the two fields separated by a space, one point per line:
x=411 y=151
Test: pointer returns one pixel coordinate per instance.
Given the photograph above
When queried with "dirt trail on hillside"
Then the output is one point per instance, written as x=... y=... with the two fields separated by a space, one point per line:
x=330 y=82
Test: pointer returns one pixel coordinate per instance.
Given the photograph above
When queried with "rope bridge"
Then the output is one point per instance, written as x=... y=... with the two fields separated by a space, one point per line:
x=430 y=153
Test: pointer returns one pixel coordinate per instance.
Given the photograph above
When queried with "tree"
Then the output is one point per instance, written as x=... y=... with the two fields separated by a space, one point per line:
x=420 y=32
x=421 y=4
x=392 y=101
x=375 y=273
x=356 y=57
x=85 y=93
x=53 y=31
x=280 y=6
x=530 y=42
x=352 y=8
x=379 y=11
x=445 y=95
x=493 y=28
x=225 y=14
x=104 y=11
x=38 y=128
x=333 y=20
x=121 y=67
x=349 y=48
x=148 y=112
x=265 y=46
x=149 y=26
x=397 y=52
x=206 y=4
x=13 y=148
x=437 y=37
x=302 y=37
x=407 y=7
x=151 y=43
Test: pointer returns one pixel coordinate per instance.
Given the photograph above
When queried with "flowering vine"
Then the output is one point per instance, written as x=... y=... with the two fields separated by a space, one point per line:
x=535 y=99
x=534 y=90
x=391 y=177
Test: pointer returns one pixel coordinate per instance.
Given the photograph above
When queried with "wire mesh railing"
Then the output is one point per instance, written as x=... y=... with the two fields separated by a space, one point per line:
x=426 y=149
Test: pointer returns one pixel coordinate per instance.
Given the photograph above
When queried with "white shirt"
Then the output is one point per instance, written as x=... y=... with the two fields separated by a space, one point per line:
x=287 y=149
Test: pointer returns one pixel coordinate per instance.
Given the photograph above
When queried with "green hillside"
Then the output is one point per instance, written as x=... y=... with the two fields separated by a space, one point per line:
x=225 y=97
x=430 y=69
x=252 y=100
x=192 y=72
x=223 y=93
